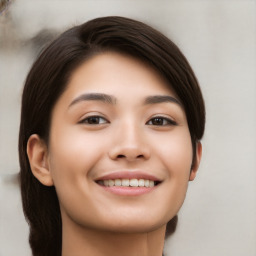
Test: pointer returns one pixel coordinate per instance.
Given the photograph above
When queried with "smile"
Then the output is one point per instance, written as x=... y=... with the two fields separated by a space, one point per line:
x=128 y=183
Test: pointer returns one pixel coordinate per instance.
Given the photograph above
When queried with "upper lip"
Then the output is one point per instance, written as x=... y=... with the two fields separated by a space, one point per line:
x=128 y=175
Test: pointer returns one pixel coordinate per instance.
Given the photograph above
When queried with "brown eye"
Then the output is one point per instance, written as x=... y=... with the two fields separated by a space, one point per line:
x=161 y=121
x=94 y=120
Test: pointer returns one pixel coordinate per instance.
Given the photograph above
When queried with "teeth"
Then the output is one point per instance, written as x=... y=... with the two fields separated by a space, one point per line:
x=111 y=183
x=151 y=184
x=125 y=182
x=134 y=183
x=128 y=183
x=146 y=183
x=141 y=183
x=118 y=182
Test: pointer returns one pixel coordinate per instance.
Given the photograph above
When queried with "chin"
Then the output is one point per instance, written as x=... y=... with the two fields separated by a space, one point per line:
x=134 y=225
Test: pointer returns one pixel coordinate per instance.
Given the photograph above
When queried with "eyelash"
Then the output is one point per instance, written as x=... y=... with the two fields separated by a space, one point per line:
x=163 y=121
x=90 y=118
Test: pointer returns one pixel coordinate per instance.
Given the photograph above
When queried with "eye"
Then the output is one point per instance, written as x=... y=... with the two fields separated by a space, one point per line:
x=161 y=121
x=94 y=120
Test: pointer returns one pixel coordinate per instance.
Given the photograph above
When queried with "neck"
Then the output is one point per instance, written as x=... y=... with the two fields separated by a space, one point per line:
x=80 y=241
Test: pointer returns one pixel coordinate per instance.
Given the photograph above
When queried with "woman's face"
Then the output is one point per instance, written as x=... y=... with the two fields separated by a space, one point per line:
x=120 y=150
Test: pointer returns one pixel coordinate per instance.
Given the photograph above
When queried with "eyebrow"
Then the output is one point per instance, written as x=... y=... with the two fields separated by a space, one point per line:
x=94 y=97
x=161 y=99
x=105 y=98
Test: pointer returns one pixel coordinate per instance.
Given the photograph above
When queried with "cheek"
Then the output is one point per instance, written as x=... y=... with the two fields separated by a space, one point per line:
x=72 y=157
x=175 y=152
x=71 y=148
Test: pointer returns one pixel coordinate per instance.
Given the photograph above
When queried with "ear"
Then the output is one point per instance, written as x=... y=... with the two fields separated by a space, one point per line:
x=197 y=161
x=37 y=155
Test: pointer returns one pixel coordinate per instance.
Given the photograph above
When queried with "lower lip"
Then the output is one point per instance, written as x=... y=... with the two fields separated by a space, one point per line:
x=128 y=191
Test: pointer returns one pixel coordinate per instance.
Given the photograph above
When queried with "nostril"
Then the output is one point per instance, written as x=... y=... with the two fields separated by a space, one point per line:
x=124 y=156
x=120 y=156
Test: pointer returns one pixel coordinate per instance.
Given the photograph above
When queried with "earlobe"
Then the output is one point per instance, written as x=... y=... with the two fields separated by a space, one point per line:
x=37 y=155
x=197 y=161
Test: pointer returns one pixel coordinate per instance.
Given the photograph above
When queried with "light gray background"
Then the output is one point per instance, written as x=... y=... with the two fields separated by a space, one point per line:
x=218 y=217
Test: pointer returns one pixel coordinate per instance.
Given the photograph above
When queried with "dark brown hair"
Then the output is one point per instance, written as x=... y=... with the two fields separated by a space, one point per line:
x=47 y=80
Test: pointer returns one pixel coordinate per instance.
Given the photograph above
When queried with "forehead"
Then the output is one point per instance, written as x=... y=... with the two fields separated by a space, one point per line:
x=112 y=71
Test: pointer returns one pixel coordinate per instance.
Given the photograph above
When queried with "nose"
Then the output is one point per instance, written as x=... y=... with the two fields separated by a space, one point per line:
x=129 y=144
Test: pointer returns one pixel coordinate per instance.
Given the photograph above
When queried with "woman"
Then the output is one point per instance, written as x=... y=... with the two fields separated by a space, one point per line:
x=111 y=122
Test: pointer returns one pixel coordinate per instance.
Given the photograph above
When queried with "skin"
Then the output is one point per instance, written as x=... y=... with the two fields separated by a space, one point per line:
x=127 y=137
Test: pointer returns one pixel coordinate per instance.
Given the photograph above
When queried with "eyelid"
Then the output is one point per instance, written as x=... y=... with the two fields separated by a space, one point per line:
x=170 y=121
x=82 y=121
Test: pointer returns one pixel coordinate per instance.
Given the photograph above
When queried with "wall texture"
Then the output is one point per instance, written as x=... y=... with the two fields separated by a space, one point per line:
x=219 y=39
